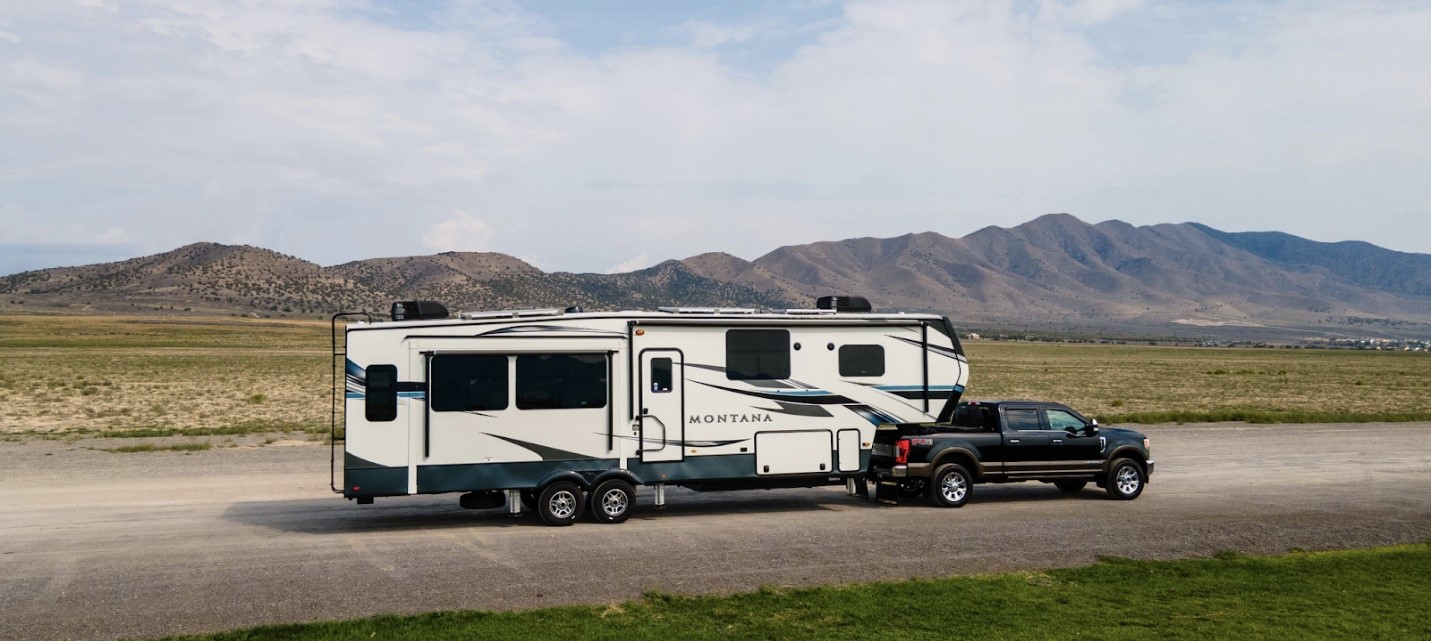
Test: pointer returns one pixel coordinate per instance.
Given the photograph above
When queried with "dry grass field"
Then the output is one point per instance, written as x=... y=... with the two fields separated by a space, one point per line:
x=159 y=376
x=1152 y=384
x=80 y=374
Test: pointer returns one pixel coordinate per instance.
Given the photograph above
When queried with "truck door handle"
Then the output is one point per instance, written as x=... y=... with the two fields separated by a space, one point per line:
x=1013 y=441
x=1058 y=441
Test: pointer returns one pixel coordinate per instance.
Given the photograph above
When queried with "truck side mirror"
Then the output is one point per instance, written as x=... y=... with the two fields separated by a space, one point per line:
x=1092 y=429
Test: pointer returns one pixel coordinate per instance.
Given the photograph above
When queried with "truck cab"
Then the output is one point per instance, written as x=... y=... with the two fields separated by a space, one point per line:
x=1002 y=442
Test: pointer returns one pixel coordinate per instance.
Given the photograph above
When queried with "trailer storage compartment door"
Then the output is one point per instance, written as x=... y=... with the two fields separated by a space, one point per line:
x=793 y=452
x=849 y=450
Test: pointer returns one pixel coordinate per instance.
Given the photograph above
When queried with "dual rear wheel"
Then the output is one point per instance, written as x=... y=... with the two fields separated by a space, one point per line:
x=560 y=503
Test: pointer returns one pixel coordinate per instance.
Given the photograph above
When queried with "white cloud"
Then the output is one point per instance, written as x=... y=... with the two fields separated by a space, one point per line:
x=640 y=261
x=463 y=232
x=316 y=128
x=705 y=35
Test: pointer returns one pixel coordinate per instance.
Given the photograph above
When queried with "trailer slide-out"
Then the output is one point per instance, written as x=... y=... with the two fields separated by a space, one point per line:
x=568 y=412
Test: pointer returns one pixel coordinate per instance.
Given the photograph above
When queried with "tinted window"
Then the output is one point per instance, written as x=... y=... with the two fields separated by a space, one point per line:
x=469 y=383
x=561 y=381
x=861 y=360
x=381 y=397
x=757 y=354
x=1022 y=420
x=1061 y=420
x=661 y=375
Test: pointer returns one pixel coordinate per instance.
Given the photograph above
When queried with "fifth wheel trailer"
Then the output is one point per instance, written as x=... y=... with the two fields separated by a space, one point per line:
x=569 y=412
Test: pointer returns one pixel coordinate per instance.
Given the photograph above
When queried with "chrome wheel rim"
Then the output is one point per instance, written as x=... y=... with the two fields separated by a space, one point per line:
x=562 y=504
x=614 y=503
x=1127 y=480
x=953 y=488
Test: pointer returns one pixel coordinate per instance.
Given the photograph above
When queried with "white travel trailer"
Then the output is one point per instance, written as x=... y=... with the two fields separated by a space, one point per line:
x=569 y=411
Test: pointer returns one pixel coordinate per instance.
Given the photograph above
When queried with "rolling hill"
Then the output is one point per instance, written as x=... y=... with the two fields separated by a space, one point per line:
x=1053 y=273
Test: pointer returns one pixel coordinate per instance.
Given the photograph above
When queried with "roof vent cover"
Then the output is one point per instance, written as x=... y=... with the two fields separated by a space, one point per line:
x=418 y=310
x=844 y=303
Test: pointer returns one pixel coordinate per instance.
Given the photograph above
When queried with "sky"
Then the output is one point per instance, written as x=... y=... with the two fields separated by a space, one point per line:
x=592 y=136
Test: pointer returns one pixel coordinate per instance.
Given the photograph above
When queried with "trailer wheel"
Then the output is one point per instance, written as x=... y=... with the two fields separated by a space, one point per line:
x=559 y=503
x=612 y=500
x=529 y=500
x=952 y=486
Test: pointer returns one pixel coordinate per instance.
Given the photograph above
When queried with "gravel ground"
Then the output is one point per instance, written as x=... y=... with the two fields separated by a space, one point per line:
x=103 y=545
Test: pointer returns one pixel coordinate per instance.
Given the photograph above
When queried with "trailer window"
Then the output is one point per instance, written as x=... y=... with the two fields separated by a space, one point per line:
x=661 y=375
x=757 y=354
x=469 y=383
x=561 y=381
x=861 y=360
x=380 y=399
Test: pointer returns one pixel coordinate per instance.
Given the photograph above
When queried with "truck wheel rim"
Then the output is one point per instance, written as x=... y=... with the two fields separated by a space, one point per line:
x=953 y=488
x=1127 y=480
x=614 y=503
x=562 y=504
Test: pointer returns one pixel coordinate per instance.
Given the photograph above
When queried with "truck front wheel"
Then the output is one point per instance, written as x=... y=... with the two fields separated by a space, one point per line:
x=952 y=486
x=1125 y=480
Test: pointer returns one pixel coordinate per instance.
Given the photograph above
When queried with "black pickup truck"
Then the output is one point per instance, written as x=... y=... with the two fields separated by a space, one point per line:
x=1006 y=441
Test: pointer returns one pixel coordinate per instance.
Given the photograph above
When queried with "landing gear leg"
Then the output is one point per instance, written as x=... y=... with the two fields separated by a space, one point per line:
x=660 y=495
x=514 y=503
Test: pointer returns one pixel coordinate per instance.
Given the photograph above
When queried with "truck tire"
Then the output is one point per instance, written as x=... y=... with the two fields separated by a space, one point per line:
x=952 y=486
x=1070 y=485
x=1125 y=479
x=611 y=501
x=559 y=503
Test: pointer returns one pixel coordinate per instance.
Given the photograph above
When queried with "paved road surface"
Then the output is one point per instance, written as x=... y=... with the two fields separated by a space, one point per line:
x=99 y=545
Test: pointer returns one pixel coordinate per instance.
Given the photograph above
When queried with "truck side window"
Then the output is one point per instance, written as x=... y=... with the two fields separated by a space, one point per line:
x=469 y=382
x=380 y=399
x=861 y=360
x=757 y=354
x=1060 y=420
x=561 y=381
x=661 y=375
x=1022 y=420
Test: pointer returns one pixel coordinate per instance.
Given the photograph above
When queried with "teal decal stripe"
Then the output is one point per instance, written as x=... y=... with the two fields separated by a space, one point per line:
x=432 y=479
x=361 y=395
x=476 y=477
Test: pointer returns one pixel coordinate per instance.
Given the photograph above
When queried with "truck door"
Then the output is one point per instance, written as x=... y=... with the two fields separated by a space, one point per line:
x=1071 y=446
x=1026 y=440
x=661 y=405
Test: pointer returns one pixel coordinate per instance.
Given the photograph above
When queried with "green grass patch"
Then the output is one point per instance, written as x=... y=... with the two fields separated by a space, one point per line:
x=149 y=447
x=1355 y=595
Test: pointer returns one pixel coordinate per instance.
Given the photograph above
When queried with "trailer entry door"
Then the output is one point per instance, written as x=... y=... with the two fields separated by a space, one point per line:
x=662 y=405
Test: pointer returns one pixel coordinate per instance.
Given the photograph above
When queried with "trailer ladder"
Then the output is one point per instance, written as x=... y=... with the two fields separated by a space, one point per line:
x=338 y=394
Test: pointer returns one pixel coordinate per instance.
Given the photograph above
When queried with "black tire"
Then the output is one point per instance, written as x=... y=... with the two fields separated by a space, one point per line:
x=862 y=488
x=913 y=488
x=1070 y=485
x=529 y=500
x=611 y=501
x=1125 y=480
x=559 y=503
x=952 y=486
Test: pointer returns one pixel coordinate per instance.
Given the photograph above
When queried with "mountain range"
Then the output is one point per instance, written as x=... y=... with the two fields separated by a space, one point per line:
x=1054 y=273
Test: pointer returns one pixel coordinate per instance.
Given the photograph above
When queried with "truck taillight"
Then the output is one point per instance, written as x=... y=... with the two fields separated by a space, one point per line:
x=901 y=451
